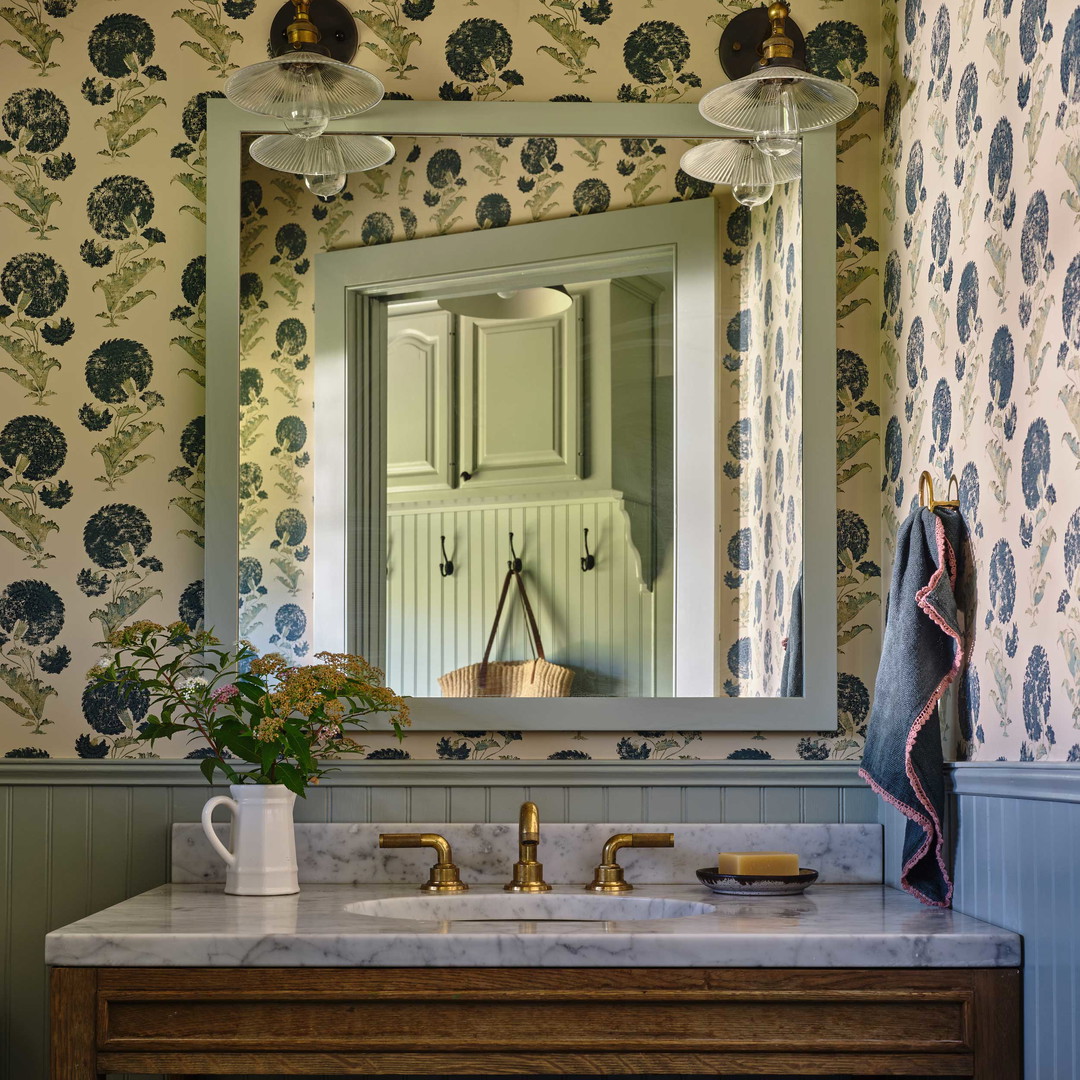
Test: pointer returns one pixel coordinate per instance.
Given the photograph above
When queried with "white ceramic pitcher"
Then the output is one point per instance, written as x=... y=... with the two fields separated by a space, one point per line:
x=263 y=859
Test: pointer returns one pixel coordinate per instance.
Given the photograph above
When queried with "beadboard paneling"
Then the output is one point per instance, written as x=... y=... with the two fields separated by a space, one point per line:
x=77 y=837
x=1016 y=863
x=602 y=624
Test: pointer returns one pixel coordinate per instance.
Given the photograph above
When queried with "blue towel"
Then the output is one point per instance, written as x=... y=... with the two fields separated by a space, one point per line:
x=921 y=655
x=791 y=677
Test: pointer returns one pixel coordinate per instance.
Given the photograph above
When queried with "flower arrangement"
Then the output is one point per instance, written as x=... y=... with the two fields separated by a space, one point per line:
x=282 y=720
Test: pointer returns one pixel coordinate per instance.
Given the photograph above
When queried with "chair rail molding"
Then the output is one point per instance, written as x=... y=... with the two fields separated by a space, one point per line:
x=1045 y=781
x=182 y=773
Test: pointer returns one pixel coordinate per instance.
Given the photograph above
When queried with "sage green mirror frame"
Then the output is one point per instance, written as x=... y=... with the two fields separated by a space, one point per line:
x=816 y=709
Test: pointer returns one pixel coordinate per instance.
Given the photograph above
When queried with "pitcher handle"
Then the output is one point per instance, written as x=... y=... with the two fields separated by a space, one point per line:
x=208 y=825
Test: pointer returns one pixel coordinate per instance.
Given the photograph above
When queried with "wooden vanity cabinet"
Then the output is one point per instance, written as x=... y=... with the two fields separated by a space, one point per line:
x=188 y=1022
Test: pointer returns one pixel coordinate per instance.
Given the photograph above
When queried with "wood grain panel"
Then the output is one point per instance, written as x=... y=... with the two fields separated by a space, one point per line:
x=423 y=1024
x=530 y=1064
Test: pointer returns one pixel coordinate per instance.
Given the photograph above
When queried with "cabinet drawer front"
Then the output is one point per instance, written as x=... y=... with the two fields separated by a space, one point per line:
x=713 y=1021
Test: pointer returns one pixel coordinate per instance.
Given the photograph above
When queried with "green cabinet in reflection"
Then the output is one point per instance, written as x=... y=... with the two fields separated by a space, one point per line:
x=495 y=408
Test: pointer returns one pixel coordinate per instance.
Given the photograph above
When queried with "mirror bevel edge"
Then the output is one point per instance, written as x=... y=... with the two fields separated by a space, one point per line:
x=816 y=709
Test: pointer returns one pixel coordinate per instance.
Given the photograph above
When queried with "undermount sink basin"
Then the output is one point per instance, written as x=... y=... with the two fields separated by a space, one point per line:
x=528 y=907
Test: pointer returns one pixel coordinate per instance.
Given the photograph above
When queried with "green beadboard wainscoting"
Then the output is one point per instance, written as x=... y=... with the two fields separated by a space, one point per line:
x=76 y=837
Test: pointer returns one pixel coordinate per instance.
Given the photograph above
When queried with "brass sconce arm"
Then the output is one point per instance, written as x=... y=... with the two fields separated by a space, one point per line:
x=444 y=876
x=608 y=877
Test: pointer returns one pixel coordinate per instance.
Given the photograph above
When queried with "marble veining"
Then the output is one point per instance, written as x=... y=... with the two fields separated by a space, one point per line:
x=829 y=926
x=342 y=854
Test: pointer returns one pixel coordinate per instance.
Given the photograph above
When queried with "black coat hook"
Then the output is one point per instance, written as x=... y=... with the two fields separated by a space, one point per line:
x=446 y=567
x=588 y=561
x=514 y=564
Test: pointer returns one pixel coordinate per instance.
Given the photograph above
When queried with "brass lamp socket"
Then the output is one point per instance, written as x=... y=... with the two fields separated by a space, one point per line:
x=777 y=47
x=325 y=27
x=761 y=37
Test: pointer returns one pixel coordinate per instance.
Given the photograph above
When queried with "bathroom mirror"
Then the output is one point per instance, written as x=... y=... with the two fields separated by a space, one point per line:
x=529 y=340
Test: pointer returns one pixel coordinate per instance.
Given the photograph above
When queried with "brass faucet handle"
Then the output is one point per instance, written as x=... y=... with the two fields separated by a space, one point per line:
x=608 y=877
x=444 y=876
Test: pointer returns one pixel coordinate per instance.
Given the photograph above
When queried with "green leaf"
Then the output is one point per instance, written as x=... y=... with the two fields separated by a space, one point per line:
x=118 y=123
x=207 y=767
x=847 y=446
x=849 y=634
x=219 y=37
x=576 y=42
x=35 y=365
x=195 y=183
x=36 y=527
x=847 y=281
x=116 y=452
x=116 y=287
x=847 y=607
x=34 y=694
x=195 y=347
x=40 y=37
x=850 y=473
x=116 y=612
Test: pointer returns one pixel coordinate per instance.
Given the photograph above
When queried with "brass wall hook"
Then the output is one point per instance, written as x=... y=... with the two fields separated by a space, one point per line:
x=926 y=493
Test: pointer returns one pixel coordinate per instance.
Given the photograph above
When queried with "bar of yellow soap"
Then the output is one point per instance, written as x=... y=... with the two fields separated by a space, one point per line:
x=767 y=863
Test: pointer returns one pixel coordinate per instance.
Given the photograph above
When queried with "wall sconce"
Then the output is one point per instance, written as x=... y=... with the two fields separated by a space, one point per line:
x=325 y=161
x=742 y=165
x=310 y=80
x=772 y=96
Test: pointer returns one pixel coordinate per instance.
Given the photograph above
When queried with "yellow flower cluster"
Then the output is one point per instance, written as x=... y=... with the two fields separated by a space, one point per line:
x=340 y=687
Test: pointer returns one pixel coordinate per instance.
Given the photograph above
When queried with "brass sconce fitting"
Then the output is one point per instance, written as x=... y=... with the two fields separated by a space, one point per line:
x=444 y=876
x=608 y=877
x=777 y=46
x=761 y=37
x=323 y=27
x=302 y=32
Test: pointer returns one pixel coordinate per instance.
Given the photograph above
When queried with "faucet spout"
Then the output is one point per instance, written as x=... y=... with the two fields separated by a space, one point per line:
x=528 y=873
x=528 y=824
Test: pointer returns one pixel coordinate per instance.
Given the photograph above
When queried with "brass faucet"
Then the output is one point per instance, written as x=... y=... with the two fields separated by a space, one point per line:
x=528 y=873
x=609 y=874
x=444 y=876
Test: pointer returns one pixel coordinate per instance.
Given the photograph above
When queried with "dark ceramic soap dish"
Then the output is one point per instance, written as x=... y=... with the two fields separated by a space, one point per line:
x=757 y=884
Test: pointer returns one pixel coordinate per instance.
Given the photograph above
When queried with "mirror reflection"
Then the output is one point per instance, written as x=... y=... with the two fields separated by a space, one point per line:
x=534 y=405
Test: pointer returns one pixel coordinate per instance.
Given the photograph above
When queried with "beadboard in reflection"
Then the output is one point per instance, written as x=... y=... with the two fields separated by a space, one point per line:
x=600 y=623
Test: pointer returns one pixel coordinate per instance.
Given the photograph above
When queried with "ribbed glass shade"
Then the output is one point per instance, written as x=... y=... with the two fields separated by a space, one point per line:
x=328 y=155
x=305 y=90
x=750 y=104
x=739 y=162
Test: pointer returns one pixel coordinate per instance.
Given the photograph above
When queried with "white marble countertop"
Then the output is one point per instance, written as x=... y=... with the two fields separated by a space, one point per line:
x=841 y=926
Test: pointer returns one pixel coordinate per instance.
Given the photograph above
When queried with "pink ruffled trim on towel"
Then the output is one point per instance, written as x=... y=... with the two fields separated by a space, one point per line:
x=931 y=824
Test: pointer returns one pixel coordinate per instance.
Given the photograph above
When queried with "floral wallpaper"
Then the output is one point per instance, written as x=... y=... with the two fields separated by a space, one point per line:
x=981 y=339
x=102 y=275
x=761 y=429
